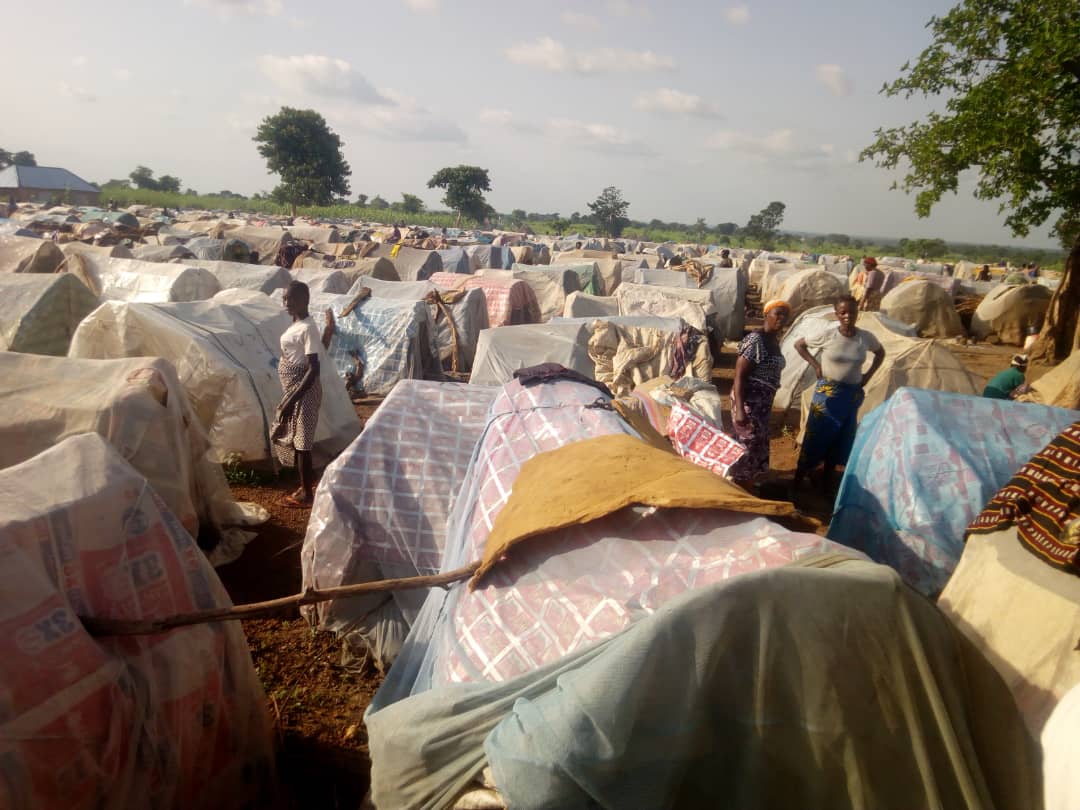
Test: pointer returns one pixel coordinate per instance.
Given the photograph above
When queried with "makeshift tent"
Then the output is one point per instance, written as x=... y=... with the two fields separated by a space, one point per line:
x=923 y=466
x=393 y=339
x=489 y=257
x=550 y=285
x=161 y=253
x=806 y=289
x=467 y=310
x=509 y=301
x=81 y=248
x=926 y=306
x=627 y=355
x=1060 y=386
x=333 y=282
x=455 y=260
x=381 y=507
x=26 y=254
x=1022 y=614
x=230 y=249
x=503 y=350
x=40 y=312
x=315 y=233
x=175 y=719
x=139 y=406
x=1010 y=311
x=225 y=352
x=909 y=361
x=895 y=278
x=692 y=305
x=588 y=279
x=523 y=254
x=267 y=242
x=240 y=276
x=143 y=282
x=580 y=305
x=410 y=263
x=725 y=285
x=746 y=693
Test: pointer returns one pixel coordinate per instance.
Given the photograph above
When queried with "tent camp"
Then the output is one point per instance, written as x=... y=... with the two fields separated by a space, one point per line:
x=1009 y=312
x=1060 y=386
x=82 y=248
x=40 y=312
x=26 y=254
x=582 y=305
x=455 y=260
x=588 y=275
x=267 y=242
x=144 y=282
x=333 y=282
x=909 y=361
x=84 y=536
x=483 y=257
x=926 y=306
x=240 y=276
x=139 y=406
x=411 y=264
x=393 y=339
x=161 y=253
x=923 y=466
x=550 y=285
x=509 y=300
x=806 y=289
x=725 y=285
x=501 y=351
x=692 y=305
x=627 y=352
x=225 y=352
x=230 y=249
x=467 y=311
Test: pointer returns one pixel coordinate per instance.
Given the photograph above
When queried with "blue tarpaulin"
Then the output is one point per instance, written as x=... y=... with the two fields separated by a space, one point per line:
x=923 y=466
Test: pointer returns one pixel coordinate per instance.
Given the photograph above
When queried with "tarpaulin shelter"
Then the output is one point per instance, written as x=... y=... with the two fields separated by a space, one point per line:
x=581 y=305
x=267 y=242
x=806 y=289
x=225 y=352
x=924 y=305
x=466 y=308
x=455 y=260
x=139 y=406
x=394 y=339
x=169 y=720
x=1060 y=386
x=240 y=276
x=626 y=353
x=588 y=275
x=923 y=466
x=41 y=312
x=550 y=285
x=26 y=254
x=509 y=301
x=1010 y=311
x=333 y=282
x=143 y=282
x=229 y=249
x=692 y=305
x=725 y=285
x=161 y=253
x=500 y=351
x=492 y=257
x=82 y=248
x=412 y=264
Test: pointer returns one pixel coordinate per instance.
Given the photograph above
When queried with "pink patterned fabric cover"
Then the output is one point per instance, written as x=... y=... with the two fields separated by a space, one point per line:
x=509 y=301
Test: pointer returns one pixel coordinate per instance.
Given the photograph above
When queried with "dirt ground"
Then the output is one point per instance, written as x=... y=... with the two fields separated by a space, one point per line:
x=317 y=704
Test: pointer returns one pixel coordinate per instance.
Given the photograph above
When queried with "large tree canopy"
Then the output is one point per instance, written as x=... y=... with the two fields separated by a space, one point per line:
x=21 y=158
x=765 y=223
x=1008 y=76
x=609 y=210
x=464 y=187
x=303 y=151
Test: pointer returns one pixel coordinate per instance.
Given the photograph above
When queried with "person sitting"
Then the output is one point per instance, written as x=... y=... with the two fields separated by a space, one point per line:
x=1008 y=383
x=984 y=274
x=873 y=284
x=725 y=258
x=839 y=392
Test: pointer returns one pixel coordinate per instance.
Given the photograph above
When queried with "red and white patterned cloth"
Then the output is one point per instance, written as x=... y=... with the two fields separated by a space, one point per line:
x=509 y=301
x=696 y=439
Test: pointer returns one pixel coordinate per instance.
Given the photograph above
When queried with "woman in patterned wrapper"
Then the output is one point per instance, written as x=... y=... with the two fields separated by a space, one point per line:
x=757 y=376
x=293 y=432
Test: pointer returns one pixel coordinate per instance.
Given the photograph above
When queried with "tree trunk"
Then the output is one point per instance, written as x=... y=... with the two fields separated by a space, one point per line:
x=1060 y=337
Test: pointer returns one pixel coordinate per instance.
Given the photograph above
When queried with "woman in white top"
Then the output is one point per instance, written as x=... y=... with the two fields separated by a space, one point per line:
x=293 y=432
x=833 y=416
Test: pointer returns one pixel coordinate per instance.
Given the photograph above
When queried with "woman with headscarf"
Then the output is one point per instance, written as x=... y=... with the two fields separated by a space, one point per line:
x=293 y=432
x=757 y=376
x=874 y=284
x=1006 y=384
x=838 y=394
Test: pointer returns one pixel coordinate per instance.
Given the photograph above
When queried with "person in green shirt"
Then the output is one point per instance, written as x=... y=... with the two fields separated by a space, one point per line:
x=1003 y=384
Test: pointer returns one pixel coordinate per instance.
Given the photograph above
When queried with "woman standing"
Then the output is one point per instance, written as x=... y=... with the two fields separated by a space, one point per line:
x=831 y=422
x=293 y=432
x=757 y=376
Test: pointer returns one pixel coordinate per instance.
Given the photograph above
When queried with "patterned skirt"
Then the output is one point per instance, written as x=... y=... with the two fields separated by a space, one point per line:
x=830 y=424
x=295 y=428
x=754 y=435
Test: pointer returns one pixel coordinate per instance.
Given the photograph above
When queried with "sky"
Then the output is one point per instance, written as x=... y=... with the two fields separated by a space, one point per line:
x=692 y=109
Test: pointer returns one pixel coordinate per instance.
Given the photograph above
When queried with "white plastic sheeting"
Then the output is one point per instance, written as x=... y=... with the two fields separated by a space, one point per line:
x=240 y=276
x=583 y=305
x=727 y=291
x=323 y=281
x=505 y=349
x=147 y=282
x=172 y=720
x=40 y=312
x=412 y=264
x=691 y=305
x=381 y=506
x=27 y=254
x=225 y=352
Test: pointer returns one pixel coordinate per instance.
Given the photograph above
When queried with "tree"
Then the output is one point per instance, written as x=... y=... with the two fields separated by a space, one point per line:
x=143 y=177
x=765 y=223
x=169 y=183
x=378 y=202
x=1008 y=76
x=726 y=228
x=699 y=230
x=361 y=200
x=518 y=215
x=303 y=151
x=190 y=192
x=464 y=187
x=21 y=158
x=411 y=204
x=609 y=211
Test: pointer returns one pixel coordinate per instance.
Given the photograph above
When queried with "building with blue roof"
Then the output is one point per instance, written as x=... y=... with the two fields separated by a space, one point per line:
x=45 y=184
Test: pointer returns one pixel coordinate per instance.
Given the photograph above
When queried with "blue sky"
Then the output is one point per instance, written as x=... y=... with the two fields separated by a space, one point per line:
x=692 y=109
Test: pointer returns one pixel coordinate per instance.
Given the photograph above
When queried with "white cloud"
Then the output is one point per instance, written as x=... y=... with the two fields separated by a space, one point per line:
x=79 y=61
x=554 y=57
x=76 y=93
x=312 y=74
x=121 y=74
x=832 y=76
x=577 y=19
x=504 y=119
x=298 y=24
x=230 y=8
x=777 y=146
x=666 y=100
x=597 y=137
x=423 y=5
x=737 y=15
x=627 y=8
x=405 y=120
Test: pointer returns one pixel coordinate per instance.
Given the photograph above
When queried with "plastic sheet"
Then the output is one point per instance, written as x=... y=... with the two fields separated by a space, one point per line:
x=41 y=312
x=923 y=466
x=240 y=276
x=173 y=720
x=502 y=351
x=148 y=282
x=509 y=301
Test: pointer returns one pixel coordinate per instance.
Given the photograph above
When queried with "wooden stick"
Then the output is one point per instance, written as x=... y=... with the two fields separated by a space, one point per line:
x=139 y=627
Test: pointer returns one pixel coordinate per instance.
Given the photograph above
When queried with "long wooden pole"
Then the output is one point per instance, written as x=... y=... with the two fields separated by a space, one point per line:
x=139 y=627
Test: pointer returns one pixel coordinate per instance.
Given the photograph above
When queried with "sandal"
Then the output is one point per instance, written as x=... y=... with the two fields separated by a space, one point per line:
x=292 y=503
